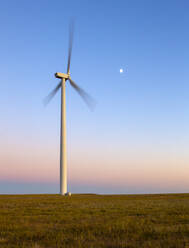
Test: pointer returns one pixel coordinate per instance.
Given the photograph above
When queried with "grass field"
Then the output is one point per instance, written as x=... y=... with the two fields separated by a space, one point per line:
x=94 y=221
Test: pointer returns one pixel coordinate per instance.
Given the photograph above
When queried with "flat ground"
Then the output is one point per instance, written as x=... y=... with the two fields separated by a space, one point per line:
x=94 y=221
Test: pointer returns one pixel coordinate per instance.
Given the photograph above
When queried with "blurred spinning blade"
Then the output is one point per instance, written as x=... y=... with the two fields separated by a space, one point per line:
x=85 y=96
x=71 y=32
x=52 y=94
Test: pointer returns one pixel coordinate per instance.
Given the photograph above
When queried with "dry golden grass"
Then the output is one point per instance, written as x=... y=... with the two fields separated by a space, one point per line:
x=94 y=221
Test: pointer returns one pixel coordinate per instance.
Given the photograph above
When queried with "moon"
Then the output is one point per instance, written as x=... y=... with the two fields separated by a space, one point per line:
x=121 y=70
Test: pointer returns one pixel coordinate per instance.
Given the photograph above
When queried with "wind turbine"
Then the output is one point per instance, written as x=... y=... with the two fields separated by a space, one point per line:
x=88 y=100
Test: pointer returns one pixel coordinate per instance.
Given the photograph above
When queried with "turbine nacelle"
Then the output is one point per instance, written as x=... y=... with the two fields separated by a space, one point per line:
x=62 y=75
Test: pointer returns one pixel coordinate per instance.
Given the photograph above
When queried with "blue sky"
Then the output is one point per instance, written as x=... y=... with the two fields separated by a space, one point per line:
x=136 y=140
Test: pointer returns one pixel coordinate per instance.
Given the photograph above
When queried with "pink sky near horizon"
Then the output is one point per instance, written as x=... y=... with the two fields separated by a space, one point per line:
x=105 y=164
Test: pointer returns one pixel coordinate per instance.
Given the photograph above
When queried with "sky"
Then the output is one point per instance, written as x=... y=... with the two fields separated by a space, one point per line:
x=136 y=139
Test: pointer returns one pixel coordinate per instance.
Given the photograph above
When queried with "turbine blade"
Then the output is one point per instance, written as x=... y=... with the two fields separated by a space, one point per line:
x=52 y=94
x=86 y=97
x=71 y=32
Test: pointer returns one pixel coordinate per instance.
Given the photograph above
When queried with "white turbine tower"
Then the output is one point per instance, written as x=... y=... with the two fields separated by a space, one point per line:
x=88 y=100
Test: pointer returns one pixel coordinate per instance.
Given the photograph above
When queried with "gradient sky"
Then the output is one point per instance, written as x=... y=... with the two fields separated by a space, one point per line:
x=137 y=139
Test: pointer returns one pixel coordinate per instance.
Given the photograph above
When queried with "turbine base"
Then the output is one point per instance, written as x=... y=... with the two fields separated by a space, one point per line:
x=67 y=194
